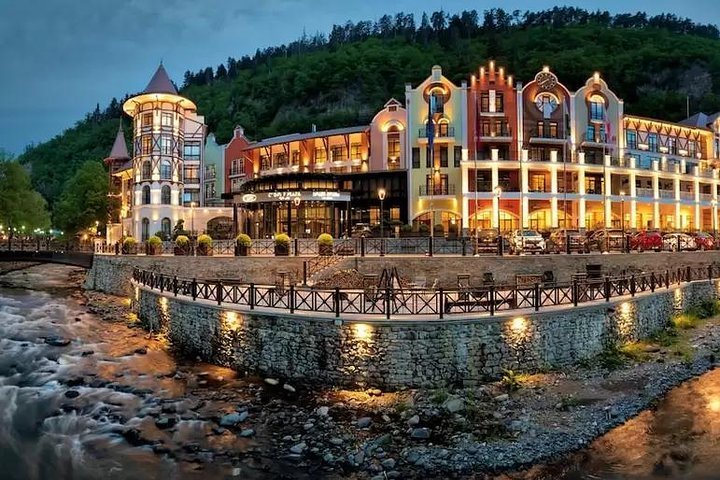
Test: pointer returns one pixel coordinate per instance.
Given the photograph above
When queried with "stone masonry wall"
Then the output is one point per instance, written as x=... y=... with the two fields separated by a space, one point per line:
x=392 y=354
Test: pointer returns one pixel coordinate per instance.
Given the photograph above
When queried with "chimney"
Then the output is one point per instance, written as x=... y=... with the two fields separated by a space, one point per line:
x=313 y=128
x=239 y=131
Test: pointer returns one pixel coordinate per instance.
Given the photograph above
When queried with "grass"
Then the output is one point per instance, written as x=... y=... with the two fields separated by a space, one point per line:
x=635 y=351
x=439 y=396
x=512 y=381
x=685 y=321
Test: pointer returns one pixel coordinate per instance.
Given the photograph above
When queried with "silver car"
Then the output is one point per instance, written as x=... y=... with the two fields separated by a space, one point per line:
x=527 y=241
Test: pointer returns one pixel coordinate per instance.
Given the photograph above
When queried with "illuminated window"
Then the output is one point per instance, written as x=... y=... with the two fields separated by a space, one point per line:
x=165 y=170
x=166 y=144
x=166 y=119
x=597 y=108
x=443 y=157
x=191 y=174
x=320 y=155
x=339 y=153
x=672 y=145
x=145 y=232
x=146 y=170
x=146 y=195
x=165 y=227
x=393 y=140
x=146 y=144
x=537 y=182
x=296 y=157
x=147 y=120
x=264 y=162
x=415 y=157
x=485 y=102
x=355 y=151
x=499 y=103
x=165 y=195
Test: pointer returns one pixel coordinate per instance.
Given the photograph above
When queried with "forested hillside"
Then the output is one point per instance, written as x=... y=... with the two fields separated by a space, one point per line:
x=342 y=78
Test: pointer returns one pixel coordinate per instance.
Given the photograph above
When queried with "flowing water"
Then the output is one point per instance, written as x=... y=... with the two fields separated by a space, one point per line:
x=63 y=409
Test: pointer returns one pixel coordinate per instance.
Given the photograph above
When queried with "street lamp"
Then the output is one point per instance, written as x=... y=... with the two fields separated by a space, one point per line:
x=381 y=196
x=498 y=193
x=713 y=202
x=296 y=202
x=192 y=226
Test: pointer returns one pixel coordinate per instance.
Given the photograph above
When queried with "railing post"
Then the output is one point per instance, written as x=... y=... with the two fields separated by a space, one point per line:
x=492 y=300
x=537 y=296
x=251 y=294
x=679 y=275
x=387 y=303
x=667 y=278
x=337 y=301
x=441 y=303
x=607 y=288
x=430 y=244
x=305 y=273
x=652 y=281
x=574 y=292
x=219 y=293
x=632 y=286
x=689 y=274
x=297 y=252
x=194 y=288
x=175 y=285
x=463 y=241
x=362 y=246
x=291 y=300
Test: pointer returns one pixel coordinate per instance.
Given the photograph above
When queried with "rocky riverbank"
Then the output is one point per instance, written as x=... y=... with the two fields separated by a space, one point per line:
x=414 y=433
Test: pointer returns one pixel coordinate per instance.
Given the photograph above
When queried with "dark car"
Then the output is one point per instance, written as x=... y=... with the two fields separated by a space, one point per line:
x=608 y=240
x=487 y=240
x=578 y=242
x=644 y=241
x=704 y=241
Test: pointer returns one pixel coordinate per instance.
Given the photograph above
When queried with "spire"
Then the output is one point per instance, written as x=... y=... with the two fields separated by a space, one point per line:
x=119 y=150
x=160 y=82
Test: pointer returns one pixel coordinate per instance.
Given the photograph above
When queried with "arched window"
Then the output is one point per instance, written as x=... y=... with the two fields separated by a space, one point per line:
x=437 y=101
x=165 y=195
x=165 y=170
x=165 y=228
x=146 y=170
x=393 y=147
x=146 y=195
x=597 y=108
x=145 y=233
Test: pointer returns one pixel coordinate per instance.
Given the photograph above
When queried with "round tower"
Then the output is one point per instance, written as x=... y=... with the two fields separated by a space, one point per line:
x=160 y=117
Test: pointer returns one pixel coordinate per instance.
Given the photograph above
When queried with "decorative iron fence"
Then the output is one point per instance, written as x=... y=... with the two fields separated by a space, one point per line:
x=386 y=302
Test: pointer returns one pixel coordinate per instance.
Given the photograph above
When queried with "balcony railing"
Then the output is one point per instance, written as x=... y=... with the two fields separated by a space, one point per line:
x=210 y=175
x=644 y=192
x=237 y=171
x=441 y=131
x=487 y=186
x=548 y=133
x=687 y=195
x=667 y=193
x=427 y=190
x=503 y=132
x=599 y=138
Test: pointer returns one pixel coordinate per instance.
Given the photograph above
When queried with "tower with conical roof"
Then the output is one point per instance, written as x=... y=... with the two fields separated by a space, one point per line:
x=168 y=139
x=119 y=164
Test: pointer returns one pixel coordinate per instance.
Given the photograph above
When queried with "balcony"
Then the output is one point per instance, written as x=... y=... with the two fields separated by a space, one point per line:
x=236 y=172
x=548 y=135
x=501 y=135
x=595 y=140
x=644 y=193
x=687 y=195
x=442 y=131
x=667 y=193
x=486 y=186
x=437 y=190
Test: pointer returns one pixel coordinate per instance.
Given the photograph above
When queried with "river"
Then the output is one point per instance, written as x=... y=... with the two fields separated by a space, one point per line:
x=94 y=409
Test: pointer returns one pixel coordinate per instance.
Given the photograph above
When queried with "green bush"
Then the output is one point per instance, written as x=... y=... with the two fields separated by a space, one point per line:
x=406 y=228
x=129 y=242
x=243 y=240
x=325 y=239
x=205 y=241
x=685 y=321
x=182 y=241
x=282 y=240
x=154 y=241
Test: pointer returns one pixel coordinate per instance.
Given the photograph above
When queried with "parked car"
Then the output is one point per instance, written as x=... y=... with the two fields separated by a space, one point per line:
x=678 y=242
x=487 y=240
x=704 y=241
x=644 y=241
x=577 y=240
x=526 y=241
x=607 y=240
x=361 y=230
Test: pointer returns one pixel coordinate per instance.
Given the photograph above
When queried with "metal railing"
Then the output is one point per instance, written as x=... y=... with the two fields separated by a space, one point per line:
x=440 y=131
x=426 y=190
x=386 y=302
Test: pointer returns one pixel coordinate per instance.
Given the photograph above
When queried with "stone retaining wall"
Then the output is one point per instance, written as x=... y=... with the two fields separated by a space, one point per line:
x=396 y=353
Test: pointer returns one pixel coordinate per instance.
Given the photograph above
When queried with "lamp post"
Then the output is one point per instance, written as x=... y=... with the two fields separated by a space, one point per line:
x=192 y=226
x=498 y=193
x=713 y=202
x=622 y=221
x=296 y=202
x=381 y=196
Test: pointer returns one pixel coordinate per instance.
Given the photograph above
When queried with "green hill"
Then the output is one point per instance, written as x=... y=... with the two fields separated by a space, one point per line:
x=345 y=77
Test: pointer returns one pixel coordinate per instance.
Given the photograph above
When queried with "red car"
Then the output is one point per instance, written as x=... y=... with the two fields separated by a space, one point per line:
x=643 y=241
x=704 y=241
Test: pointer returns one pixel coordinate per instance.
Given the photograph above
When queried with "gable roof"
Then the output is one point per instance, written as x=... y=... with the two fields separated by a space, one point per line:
x=160 y=83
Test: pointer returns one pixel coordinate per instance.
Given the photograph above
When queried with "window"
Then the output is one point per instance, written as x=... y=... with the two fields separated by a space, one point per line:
x=444 y=157
x=146 y=195
x=191 y=150
x=147 y=144
x=145 y=232
x=443 y=129
x=165 y=170
x=281 y=160
x=436 y=184
x=209 y=190
x=393 y=140
x=631 y=139
x=602 y=133
x=166 y=144
x=147 y=120
x=437 y=102
x=653 y=142
x=165 y=195
x=264 y=162
x=415 y=157
x=237 y=167
x=166 y=119
x=355 y=151
x=165 y=228
x=146 y=170
x=499 y=102
x=485 y=129
x=428 y=158
x=192 y=196
x=484 y=102
x=593 y=185
x=457 y=156
x=191 y=174
x=296 y=157
x=590 y=133
x=597 y=108
x=210 y=172
x=339 y=153
x=692 y=148
x=235 y=184
x=537 y=182
x=672 y=145
x=320 y=155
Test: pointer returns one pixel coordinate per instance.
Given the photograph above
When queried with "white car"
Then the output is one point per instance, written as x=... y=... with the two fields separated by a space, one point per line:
x=527 y=241
x=678 y=242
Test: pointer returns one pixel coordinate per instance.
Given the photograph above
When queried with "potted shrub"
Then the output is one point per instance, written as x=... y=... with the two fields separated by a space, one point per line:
x=243 y=242
x=424 y=229
x=439 y=230
x=406 y=230
x=282 y=245
x=182 y=245
x=154 y=246
x=204 y=245
x=128 y=245
x=325 y=244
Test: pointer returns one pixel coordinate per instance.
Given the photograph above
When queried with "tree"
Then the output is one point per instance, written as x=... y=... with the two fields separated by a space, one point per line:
x=22 y=209
x=84 y=200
